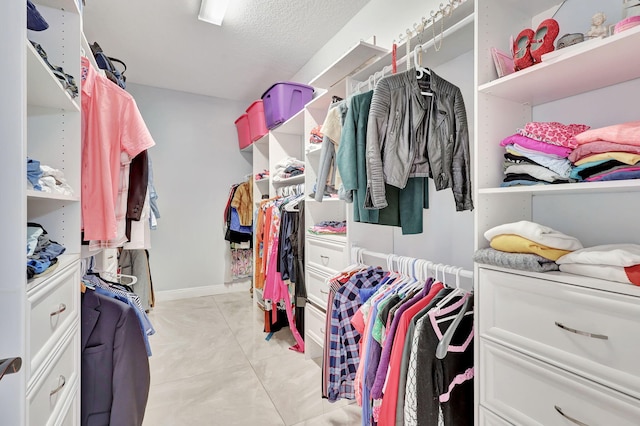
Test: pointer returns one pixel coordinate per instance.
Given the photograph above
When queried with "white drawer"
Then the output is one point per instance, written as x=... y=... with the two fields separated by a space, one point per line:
x=526 y=392
x=71 y=417
x=528 y=314
x=314 y=324
x=487 y=418
x=317 y=286
x=53 y=306
x=51 y=391
x=331 y=255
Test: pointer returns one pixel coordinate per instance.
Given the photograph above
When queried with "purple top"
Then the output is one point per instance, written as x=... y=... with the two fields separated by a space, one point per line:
x=385 y=357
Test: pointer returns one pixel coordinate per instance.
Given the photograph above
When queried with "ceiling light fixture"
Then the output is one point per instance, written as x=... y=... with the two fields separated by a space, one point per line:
x=212 y=11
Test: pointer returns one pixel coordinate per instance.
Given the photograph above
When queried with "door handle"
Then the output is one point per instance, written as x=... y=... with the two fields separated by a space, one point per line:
x=10 y=366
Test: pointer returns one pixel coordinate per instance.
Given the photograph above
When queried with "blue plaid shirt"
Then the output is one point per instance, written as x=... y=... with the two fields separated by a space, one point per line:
x=343 y=351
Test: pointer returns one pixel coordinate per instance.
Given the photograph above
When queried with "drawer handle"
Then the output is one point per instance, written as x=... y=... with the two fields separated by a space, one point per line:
x=322 y=330
x=582 y=333
x=571 y=419
x=325 y=259
x=59 y=388
x=324 y=291
x=60 y=310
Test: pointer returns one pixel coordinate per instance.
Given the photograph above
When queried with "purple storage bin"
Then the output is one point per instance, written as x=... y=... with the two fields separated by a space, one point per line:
x=283 y=100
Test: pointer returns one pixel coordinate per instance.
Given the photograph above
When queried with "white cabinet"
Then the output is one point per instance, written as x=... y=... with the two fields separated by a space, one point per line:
x=40 y=120
x=553 y=346
x=325 y=254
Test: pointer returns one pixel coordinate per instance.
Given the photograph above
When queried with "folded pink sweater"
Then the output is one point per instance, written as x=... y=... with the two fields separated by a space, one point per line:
x=626 y=133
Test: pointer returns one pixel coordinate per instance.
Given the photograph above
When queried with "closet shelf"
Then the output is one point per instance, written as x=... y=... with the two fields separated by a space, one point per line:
x=577 y=280
x=66 y=5
x=315 y=151
x=43 y=88
x=264 y=181
x=293 y=126
x=358 y=56
x=33 y=194
x=322 y=100
x=458 y=39
x=289 y=181
x=632 y=185
x=607 y=62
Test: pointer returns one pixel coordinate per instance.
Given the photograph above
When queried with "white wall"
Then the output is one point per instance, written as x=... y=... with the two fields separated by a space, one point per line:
x=380 y=18
x=195 y=161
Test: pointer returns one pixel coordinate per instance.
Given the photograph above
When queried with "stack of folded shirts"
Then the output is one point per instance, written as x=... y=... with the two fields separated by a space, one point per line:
x=607 y=153
x=613 y=262
x=537 y=154
x=526 y=246
x=288 y=167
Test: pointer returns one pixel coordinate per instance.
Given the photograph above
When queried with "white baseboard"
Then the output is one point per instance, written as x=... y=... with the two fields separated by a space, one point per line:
x=209 y=290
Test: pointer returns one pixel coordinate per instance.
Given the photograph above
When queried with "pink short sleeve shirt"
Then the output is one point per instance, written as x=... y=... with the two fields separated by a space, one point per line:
x=111 y=125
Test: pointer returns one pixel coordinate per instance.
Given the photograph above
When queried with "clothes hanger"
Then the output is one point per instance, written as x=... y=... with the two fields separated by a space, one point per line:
x=443 y=345
x=421 y=71
x=460 y=290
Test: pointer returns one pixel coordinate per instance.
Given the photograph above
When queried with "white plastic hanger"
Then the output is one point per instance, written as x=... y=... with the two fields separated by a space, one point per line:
x=443 y=346
x=420 y=70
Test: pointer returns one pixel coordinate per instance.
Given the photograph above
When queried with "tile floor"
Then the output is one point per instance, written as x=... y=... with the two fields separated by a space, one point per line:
x=211 y=365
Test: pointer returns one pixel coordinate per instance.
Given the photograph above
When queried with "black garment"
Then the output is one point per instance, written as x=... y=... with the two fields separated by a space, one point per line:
x=286 y=262
x=436 y=376
x=138 y=183
x=297 y=243
x=607 y=166
x=517 y=159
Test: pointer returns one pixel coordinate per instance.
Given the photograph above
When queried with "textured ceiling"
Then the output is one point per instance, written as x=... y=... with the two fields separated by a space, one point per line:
x=260 y=42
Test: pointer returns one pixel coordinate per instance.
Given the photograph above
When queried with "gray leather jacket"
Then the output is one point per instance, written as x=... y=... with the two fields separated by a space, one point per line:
x=413 y=135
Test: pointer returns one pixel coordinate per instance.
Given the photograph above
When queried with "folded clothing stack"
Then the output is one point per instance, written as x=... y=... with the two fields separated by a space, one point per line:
x=329 y=227
x=613 y=262
x=607 y=153
x=287 y=168
x=537 y=154
x=526 y=246
x=46 y=179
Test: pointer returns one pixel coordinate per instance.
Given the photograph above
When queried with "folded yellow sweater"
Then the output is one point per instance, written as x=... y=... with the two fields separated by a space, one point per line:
x=516 y=244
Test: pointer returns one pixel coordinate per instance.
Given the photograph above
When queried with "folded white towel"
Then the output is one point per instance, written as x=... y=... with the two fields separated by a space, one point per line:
x=608 y=254
x=537 y=233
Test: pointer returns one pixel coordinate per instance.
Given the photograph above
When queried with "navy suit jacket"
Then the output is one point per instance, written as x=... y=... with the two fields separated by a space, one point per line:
x=115 y=366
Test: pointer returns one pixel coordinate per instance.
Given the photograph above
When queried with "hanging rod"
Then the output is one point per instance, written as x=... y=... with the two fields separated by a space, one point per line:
x=358 y=252
x=442 y=12
x=373 y=79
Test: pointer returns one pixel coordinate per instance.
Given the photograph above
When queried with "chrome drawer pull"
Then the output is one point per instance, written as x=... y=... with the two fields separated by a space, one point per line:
x=582 y=333
x=60 y=310
x=324 y=291
x=571 y=419
x=325 y=260
x=59 y=388
x=322 y=330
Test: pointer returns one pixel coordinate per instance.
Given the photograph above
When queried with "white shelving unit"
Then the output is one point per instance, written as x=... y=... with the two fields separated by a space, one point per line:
x=40 y=120
x=529 y=369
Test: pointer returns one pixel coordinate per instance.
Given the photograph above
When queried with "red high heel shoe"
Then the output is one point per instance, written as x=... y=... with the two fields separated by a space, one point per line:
x=521 y=50
x=544 y=38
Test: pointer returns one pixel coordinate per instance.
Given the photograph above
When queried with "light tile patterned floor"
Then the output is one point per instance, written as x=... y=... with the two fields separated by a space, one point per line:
x=211 y=365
